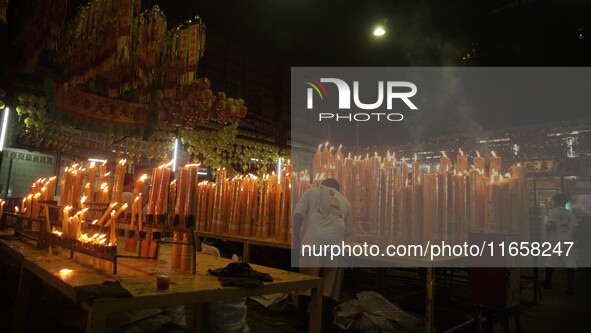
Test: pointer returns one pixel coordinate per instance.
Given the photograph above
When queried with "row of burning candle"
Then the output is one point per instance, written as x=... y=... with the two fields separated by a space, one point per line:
x=74 y=187
x=388 y=202
x=42 y=189
x=72 y=226
x=329 y=165
x=247 y=205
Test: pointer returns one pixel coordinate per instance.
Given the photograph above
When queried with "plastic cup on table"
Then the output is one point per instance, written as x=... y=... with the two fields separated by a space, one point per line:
x=163 y=274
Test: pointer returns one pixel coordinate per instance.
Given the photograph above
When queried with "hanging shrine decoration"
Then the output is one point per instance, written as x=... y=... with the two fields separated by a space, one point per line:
x=97 y=113
x=34 y=129
x=133 y=53
x=42 y=30
x=97 y=41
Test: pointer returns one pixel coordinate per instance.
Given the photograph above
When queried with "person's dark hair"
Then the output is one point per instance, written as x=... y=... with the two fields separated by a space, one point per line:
x=560 y=199
x=331 y=182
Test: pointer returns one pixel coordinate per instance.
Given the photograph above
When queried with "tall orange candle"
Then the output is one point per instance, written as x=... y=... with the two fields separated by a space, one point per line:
x=495 y=164
x=162 y=197
x=415 y=170
x=429 y=205
x=191 y=193
x=479 y=162
x=444 y=163
x=461 y=162
x=156 y=175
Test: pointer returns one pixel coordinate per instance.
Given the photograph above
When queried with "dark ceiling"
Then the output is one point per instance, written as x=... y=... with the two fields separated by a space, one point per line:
x=251 y=45
x=419 y=32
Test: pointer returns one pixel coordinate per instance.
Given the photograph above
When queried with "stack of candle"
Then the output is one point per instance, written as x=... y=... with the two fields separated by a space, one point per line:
x=444 y=205
x=248 y=205
x=158 y=198
x=184 y=193
x=72 y=184
x=32 y=205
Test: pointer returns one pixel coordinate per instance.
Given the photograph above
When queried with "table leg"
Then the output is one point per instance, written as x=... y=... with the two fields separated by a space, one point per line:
x=22 y=299
x=198 y=317
x=96 y=321
x=246 y=251
x=430 y=305
x=315 y=323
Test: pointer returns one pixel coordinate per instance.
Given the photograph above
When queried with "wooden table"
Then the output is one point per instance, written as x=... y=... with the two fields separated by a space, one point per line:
x=138 y=277
x=247 y=242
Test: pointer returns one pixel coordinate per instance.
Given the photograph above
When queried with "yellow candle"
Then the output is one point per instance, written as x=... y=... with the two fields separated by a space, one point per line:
x=121 y=210
x=104 y=193
x=118 y=181
x=91 y=180
x=35 y=205
x=106 y=214
x=74 y=227
x=338 y=174
x=318 y=169
x=65 y=220
x=87 y=192
x=50 y=189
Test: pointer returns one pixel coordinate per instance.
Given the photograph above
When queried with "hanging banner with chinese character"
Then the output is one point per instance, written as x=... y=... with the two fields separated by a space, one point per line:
x=92 y=112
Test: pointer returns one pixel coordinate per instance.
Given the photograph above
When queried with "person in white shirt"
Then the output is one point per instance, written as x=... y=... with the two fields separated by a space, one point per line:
x=323 y=216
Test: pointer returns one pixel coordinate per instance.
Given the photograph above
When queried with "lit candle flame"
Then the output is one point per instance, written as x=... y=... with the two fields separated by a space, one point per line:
x=443 y=153
x=477 y=153
x=92 y=164
x=492 y=152
x=122 y=162
x=461 y=152
x=416 y=157
x=144 y=177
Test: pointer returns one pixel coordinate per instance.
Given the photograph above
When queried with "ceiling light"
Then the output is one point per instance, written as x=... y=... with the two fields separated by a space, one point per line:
x=379 y=31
